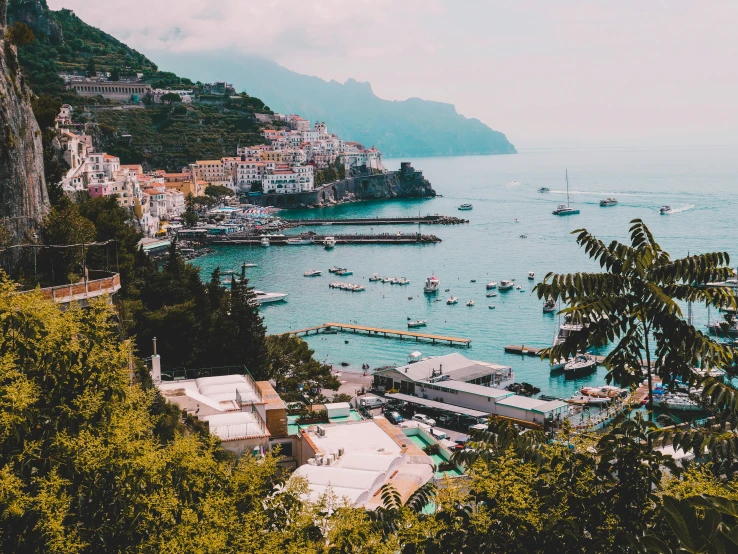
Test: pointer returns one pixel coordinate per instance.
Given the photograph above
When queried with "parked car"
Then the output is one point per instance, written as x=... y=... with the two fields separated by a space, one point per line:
x=394 y=417
x=461 y=442
x=438 y=434
x=422 y=418
x=371 y=402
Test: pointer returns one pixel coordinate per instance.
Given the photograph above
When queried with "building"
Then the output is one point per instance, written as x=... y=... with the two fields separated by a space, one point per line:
x=532 y=410
x=286 y=179
x=122 y=91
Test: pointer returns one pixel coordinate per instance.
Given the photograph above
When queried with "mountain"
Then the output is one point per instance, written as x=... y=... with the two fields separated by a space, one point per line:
x=412 y=127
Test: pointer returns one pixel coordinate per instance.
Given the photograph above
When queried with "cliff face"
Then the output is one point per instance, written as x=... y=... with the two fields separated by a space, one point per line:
x=23 y=197
x=405 y=183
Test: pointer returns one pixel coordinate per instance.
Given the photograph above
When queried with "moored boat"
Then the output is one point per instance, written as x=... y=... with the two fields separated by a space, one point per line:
x=506 y=284
x=610 y=201
x=417 y=323
x=470 y=303
x=375 y=277
x=298 y=242
x=452 y=300
x=531 y=275
x=465 y=207
x=264 y=242
x=579 y=367
x=329 y=242
x=549 y=306
x=313 y=273
x=431 y=284
x=492 y=285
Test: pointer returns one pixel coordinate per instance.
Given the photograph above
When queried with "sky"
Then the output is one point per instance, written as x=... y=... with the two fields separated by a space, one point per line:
x=546 y=73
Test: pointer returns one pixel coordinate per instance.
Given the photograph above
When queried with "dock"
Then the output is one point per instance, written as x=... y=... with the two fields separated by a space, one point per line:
x=424 y=220
x=317 y=240
x=522 y=350
x=379 y=332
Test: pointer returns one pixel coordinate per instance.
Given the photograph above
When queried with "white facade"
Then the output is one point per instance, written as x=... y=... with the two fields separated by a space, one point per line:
x=292 y=180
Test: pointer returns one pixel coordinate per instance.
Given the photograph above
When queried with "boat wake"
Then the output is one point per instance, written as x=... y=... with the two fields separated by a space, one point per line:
x=682 y=209
x=513 y=184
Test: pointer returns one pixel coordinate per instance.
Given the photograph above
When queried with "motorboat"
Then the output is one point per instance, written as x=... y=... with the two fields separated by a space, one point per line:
x=566 y=209
x=417 y=323
x=492 y=306
x=329 y=242
x=544 y=189
x=298 y=242
x=549 y=306
x=531 y=275
x=394 y=281
x=431 y=285
x=588 y=400
x=579 y=367
x=465 y=207
x=248 y=264
x=375 y=277
x=312 y=273
x=387 y=280
x=344 y=272
x=336 y=269
x=452 y=300
x=403 y=281
x=605 y=391
x=264 y=242
x=351 y=287
x=492 y=285
x=676 y=401
x=228 y=272
x=262 y=297
x=611 y=201
x=664 y=210
x=470 y=303
x=520 y=288
x=473 y=281
x=506 y=284
x=491 y=294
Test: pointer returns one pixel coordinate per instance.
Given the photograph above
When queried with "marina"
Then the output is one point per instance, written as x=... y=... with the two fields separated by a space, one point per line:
x=379 y=332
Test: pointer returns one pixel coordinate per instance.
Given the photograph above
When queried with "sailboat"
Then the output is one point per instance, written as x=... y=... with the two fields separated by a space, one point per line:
x=566 y=209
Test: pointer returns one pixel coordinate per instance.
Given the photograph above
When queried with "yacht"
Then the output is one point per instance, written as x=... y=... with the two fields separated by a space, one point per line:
x=544 y=189
x=579 y=367
x=464 y=207
x=298 y=241
x=611 y=201
x=531 y=275
x=452 y=300
x=329 y=242
x=417 y=323
x=549 y=306
x=470 y=303
x=506 y=284
x=313 y=273
x=264 y=242
x=566 y=209
x=491 y=294
x=431 y=284
x=492 y=285
x=375 y=277
x=665 y=210
x=676 y=401
x=268 y=297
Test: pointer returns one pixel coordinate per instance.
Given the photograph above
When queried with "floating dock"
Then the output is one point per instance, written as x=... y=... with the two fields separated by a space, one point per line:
x=425 y=220
x=379 y=332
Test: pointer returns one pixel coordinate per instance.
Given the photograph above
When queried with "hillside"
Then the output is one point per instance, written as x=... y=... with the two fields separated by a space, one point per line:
x=412 y=127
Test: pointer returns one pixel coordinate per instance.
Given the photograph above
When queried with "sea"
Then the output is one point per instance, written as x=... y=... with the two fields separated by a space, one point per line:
x=699 y=183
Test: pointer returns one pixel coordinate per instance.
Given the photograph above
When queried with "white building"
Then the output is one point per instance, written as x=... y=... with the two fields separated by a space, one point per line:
x=298 y=178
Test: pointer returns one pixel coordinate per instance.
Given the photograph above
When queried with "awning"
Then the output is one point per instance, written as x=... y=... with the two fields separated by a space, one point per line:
x=437 y=405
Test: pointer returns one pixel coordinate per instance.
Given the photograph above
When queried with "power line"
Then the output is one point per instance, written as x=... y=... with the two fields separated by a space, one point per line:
x=81 y=244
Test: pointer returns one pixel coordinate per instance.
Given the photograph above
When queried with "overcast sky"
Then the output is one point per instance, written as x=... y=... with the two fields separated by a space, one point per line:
x=543 y=72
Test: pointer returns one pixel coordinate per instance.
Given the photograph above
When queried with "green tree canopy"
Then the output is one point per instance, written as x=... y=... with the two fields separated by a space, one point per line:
x=19 y=34
x=218 y=192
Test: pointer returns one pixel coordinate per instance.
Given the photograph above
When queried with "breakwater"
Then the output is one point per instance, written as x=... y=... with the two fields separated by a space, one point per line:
x=423 y=220
x=382 y=238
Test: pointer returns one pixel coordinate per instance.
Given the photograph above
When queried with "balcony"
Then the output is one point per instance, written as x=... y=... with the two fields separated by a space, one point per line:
x=83 y=291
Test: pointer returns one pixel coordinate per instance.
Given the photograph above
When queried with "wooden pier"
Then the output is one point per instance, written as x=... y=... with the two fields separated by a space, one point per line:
x=522 y=350
x=425 y=220
x=379 y=332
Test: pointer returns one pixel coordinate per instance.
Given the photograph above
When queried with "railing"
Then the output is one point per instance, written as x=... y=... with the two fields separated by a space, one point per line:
x=83 y=290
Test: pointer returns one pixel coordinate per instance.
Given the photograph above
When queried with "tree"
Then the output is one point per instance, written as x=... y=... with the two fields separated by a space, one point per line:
x=189 y=217
x=205 y=201
x=634 y=303
x=256 y=186
x=65 y=231
x=218 y=192
x=115 y=74
x=91 y=68
x=170 y=97
x=19 y=34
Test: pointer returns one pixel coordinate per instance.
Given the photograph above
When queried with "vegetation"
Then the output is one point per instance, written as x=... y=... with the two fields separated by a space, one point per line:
x=218 y=192
x=19 y=34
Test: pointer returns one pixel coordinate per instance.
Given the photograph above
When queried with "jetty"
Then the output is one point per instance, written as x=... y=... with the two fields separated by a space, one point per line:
x=330 y=327
x=424 y=220
x=317 y=240
x=522 y=350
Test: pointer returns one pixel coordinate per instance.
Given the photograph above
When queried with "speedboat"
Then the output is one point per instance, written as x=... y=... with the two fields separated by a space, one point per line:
x=611 y=201
x=312 y=273
x=549 y=306
x=268 y=297
x=664 y=210
x=544 y=189
x=247 y=264
x=506 y=284
x=431 y=284
x=470 y=303
x=676 y=401
x=298 y=242
x=417 y=323
x=387 y=280
x=344 y=272
x=403 y=281
x=589 y=400
x=336 y=269
x=329 y=242
x=491 y=294
x=492 y=285
x=452 y=300
x=565 y=209
x=491 y=306
x=465 y=207
x=531 y=275
x=264 y=242
x=375 y=277
x=580 y=366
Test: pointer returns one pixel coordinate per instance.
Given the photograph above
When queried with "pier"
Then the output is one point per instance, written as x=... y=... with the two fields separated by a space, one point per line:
x=379 y=332
x=424 y=220
x=317 y=240
x=522 y=350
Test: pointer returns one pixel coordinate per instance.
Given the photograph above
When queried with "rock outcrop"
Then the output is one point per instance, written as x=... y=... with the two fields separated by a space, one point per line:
x=23 y=197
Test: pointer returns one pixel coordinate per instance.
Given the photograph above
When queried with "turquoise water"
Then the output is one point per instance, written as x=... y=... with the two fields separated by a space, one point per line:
x=700 y=184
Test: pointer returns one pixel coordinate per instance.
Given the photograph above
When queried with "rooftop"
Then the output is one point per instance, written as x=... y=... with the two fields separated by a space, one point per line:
x=454 y=366
x=471 y=388
x=437 y=405
x=236 y=425
x=219 y=393
x=523 y=402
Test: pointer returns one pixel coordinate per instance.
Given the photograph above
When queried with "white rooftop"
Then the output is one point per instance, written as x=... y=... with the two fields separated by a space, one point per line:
x=550 y=406
x=522 y=402
x=471 y=388
x=217 y=392
x=455 y=366
x=236 y=425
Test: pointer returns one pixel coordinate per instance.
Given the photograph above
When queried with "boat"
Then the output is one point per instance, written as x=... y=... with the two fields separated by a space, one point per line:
x=470 y=303
x=268 y=297
x=264 y=242
x=298 y=242
x=375 y=277
x=665 y=210
x=452 y=300
x=403 y=281
x=492 y=285
x=431 y=285
x=520 y=288
x=549 y=306
x=544 y=189
x=465 y=207
x=676 y=401
x=417 y=323
x=344 y=272
x=491 y=306
x=610 y=201
x=491 y=294
x=588 y=400
x=336 y=269
x=580 y=366
x=566 y=209
x=506 y=284
x=248 y=264
x=329 y=242
x=312 y=273
x=473 y=281
x=228 y=272
x=531 y=275
x=605 y=391
x=394 y=281
x=387 y=280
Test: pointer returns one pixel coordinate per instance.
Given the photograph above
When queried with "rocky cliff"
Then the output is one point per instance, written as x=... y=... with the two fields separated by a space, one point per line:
x=23 y=197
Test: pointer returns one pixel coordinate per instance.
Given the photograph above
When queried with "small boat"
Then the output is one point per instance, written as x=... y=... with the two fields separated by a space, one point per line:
x=492 y=285
x=446 y=290
x=470 y=303
x=678 y=402
x=394 y=281
x=566 y=209
x=403 y=281
x=549 y=306
x=329 y=242
x=374 y=278
x=409 y=297
x=264 y=242
x=465 y=207
x=506 y=284
x=665 y=210
x=473 y=281
x=312 y=273
x=336 y=269
x=387 y=280
x=431 y=285
x=417 y=323
x=247 y=264
x=523 y=236
x=491 y=306
x=518 y=288
x=344 y=272
x=491 y=294
x=531 y=275
x=262 y=297
x=588 y=400
x=611 y=201
x=452 y=300
x=298 y=242
x=580 y=366
x=544 y=189
x=228 y=272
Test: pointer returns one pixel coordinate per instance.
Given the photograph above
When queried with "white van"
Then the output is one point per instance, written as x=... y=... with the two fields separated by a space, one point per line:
x=438 y=434
x=371 y=402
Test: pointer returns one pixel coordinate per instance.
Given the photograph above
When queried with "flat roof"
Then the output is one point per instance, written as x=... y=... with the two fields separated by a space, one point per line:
x=523 y=402
x=437 y=405
x=455 y=366
x=236 y=426
x=550 y=406
x=471 y=388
